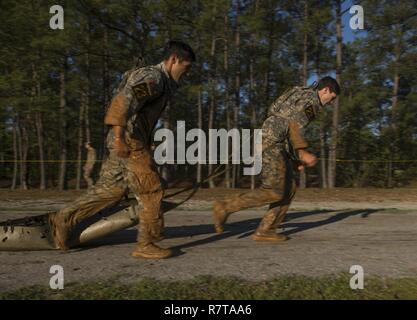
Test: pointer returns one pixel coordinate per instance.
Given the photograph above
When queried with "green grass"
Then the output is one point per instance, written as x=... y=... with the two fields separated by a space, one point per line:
x=286 y=287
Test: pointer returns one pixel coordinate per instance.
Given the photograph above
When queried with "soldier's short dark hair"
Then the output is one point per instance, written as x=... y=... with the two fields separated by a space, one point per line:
x=181 y=49
x=329 y=82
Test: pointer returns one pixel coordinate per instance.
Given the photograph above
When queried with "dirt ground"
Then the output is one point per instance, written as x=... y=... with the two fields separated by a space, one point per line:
x=329 y=232
x=337 y=194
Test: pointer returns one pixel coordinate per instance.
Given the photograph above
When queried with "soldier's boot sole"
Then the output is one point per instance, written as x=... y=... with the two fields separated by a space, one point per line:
x=269 y=237
x=151 y=251
x=61 y=231
x=219 y=217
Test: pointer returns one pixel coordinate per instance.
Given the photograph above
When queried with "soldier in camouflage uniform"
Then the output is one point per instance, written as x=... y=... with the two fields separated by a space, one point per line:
x=282 y=141
x=89 y=165
x=133 y=113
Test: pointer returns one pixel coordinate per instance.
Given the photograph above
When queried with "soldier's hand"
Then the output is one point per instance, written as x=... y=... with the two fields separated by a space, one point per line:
x=307 y=158
x=121 y=148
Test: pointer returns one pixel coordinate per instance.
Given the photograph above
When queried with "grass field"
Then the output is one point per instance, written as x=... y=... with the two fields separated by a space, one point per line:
x=207 y=288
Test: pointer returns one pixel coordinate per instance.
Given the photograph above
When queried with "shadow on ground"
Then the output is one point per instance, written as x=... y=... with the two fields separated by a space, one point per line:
x=241 y=229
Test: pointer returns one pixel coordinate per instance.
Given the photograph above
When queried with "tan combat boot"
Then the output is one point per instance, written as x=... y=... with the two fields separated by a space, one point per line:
x=146 y=249
x=60 y=230
x=157 y=233
x=220 y=216
x=268 y=236
x=266 y=230
x=158 y=238
x=151 y=251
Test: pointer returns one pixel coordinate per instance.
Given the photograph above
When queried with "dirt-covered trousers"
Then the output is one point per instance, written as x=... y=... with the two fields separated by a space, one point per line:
x=277 y=190
x=139 y=174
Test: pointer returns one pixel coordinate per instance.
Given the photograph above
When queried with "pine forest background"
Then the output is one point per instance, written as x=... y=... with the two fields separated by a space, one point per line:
x=55 y=85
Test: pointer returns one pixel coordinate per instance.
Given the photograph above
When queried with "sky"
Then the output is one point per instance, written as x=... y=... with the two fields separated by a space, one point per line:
x=348 y=34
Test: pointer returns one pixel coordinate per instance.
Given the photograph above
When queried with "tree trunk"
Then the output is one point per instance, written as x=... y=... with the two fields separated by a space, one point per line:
x=62 y=128
x=212 y=92
x=253 y=113
x=167 y=125
x=236 y=110
x=3 y=166
x=25 y=151
x=36 y=92
x=50 y=174
x=335 y=120
x=106 y=84
x=2 y=160
x=322 y=129
x=323 y=171
x=39 y=134
x=15 y=154
x=200 y=126
x=226 y=90
x=252 y=90
x=80 y=141
x=269 y=55
x=87 y=89
x=389 y=174
x=23 y=145
x=19 y=149
x=394 y=107
x=83 y=117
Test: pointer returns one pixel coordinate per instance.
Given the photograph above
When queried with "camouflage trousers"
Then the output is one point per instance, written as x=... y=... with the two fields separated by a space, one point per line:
x=277 y=190
x=137 y=173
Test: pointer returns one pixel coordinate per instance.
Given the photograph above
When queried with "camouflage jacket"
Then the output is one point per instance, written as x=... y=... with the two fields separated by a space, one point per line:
x=291 y=112
x=139 y=101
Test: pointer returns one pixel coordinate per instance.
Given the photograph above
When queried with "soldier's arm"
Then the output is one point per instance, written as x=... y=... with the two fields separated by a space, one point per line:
x=299 y=144
x=140 y=88
x=278 y=129
x=296 y=136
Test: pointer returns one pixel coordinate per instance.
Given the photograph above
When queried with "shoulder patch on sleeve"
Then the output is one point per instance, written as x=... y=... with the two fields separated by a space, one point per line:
x=144 y=89
x=309 y=111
